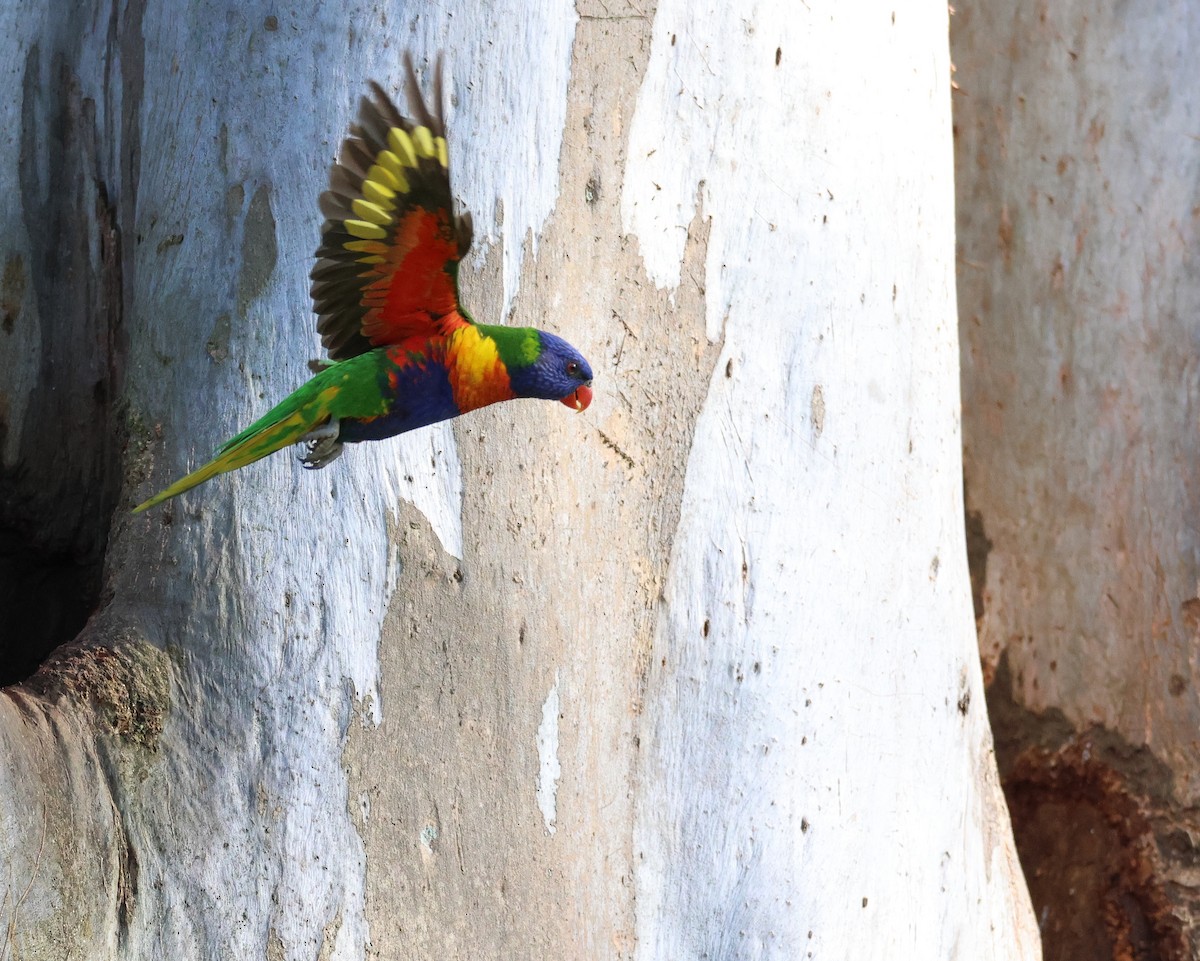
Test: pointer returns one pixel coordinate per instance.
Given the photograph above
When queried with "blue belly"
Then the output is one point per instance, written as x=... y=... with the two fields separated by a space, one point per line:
x=422 y=397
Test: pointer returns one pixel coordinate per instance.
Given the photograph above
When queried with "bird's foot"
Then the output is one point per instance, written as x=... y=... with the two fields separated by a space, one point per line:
x=322 y=446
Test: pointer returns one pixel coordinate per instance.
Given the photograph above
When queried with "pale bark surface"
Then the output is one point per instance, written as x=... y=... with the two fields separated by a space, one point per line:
x=1078 y=165
x=691 y=675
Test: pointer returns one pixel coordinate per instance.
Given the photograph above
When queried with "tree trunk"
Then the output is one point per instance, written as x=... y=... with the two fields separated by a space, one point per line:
x=690 y=675
x=1078 y=160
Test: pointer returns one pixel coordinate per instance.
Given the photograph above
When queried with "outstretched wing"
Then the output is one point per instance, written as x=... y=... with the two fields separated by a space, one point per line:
x=387 y=266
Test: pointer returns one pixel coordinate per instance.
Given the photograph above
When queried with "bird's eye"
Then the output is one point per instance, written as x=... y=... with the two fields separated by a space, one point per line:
x=573 y=368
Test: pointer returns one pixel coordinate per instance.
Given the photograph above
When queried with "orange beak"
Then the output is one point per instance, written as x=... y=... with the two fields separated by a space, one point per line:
x=579 y=400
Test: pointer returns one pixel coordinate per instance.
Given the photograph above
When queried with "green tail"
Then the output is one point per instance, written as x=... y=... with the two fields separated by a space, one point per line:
x=285 y=424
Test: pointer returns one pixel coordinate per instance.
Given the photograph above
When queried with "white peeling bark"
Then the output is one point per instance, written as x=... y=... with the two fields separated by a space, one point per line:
x=815 y=742
x=690 y=675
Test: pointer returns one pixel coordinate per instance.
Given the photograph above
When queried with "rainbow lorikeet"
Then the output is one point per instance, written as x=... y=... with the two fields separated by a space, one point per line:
x=403 y=351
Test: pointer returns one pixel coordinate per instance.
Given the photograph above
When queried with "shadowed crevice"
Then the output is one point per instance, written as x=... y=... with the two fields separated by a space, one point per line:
x=63 y=301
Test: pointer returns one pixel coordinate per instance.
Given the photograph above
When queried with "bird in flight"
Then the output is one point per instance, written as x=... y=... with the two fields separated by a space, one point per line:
x=403 y=352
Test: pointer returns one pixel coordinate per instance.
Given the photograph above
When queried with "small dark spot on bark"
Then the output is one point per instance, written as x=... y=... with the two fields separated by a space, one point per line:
x=591 y=191
x=804 y=825
x=707 y=625
x=672 y=40
x=271 y=24
x=1191 y=613
x=1177 y=685
x=168 y=242
x=778 y=55
x=964 y=703
x=729 y=367
x=864 y=902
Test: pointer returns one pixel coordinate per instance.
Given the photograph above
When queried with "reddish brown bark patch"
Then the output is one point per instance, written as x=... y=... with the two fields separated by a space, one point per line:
x=1107 y=852
x=1088 y=846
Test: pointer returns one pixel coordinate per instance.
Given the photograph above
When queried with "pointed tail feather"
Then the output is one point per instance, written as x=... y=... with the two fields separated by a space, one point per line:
x=254 y=443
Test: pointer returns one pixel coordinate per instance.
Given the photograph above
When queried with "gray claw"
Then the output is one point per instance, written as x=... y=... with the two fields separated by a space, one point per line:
x=322 y=445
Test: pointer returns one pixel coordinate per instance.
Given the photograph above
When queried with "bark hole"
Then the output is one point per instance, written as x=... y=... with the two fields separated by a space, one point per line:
x=1094 y=821
x=1090 y=868
x=46 y=594
x=61 y=320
